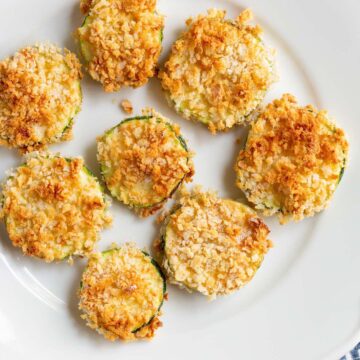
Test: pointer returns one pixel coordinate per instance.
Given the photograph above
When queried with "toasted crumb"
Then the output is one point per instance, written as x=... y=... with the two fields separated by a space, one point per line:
x=212 y=245
x=127 y=106
x=53 y=208
x=144 y=160
x=293 y=160
x=121 y=294
x=121 y=41
x=219 y=70
x=85 y=5
x=40 y=94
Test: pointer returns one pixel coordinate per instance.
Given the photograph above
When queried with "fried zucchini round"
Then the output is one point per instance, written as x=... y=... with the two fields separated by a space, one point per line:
x=219 y=70
x=120 y=41
x=212 y=245
x=40 y=94
x=293 y=160
x=143 y=161
x=54 y=207
x=121 y=293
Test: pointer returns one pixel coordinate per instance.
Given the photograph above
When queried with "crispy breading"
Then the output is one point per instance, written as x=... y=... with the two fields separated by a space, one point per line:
x=124 y=5
x=53 y=208
x=144 y=161
x=121 y=292
x=85 y=5
x=292 y=161
x=219 y=70
x=40 y=94
x=127 y=106
x=121 y=41
x=213 y=245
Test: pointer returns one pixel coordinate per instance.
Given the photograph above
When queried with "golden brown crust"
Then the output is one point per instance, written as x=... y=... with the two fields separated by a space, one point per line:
x=85 y=5
x=144 y=162
x=127 y=106
x=39 y=95
x=53 y=208
x=212 y=245
x=118 y=294
x=219 y=70
x=124 y=5
x=292 y=161
x=124 y=38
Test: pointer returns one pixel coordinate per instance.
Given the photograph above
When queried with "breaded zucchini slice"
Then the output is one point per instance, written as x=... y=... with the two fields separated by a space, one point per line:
x=121 y=293
x=219 y=70
x=40 y=94
x=143 y=161
x=293 y=160
x=54 y=207
x=121 y=41
x=212 y=245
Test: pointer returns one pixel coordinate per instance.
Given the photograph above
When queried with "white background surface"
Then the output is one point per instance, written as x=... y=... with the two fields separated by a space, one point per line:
x=304 y=303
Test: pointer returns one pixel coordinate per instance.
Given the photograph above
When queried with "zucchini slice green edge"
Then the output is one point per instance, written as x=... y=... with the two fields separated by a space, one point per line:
x=158 y=268
x=66 y=128
x=279 y=209
x=342 y=171
x=86 y=170
x=180 y=109
x=179 y=138
x=162 y=277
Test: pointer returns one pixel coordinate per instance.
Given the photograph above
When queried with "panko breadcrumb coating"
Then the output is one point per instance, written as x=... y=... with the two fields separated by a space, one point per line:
x=219 y=70
x=293 y=160
x=40 y=94
x=121 y=293
x=121 y=41
x=53 y=207
x=144 y=160
x=212 y=245
x=127 y=106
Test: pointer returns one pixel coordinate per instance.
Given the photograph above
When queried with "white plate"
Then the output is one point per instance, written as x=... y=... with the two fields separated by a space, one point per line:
x=304 y=303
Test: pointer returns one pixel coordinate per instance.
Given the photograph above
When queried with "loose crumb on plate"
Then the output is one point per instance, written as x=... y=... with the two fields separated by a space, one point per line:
x=127 y=106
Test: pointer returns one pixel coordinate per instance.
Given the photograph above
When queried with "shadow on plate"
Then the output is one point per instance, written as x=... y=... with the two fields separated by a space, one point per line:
x=73 y=300
x=75 y=19
x=232 y=191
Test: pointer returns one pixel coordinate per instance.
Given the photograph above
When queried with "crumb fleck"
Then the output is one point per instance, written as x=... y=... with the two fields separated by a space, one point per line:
x=127 y=106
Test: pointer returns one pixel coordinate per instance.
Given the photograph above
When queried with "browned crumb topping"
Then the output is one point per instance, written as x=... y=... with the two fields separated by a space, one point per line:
x=39 y=96
x=125 y=5
x=292 y=161
x=122 y=41
x=219 y=70
x=119 y=295
x=85 y=5
x=127 y=106
x=212 y=245
x=53 y=208
x=143 y=162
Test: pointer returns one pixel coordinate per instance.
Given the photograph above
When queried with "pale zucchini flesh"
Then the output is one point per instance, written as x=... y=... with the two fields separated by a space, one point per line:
x=158 y=277
x=119 y=193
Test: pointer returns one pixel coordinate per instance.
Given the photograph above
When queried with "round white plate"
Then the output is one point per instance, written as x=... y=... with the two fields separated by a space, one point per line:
x=304 y=303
